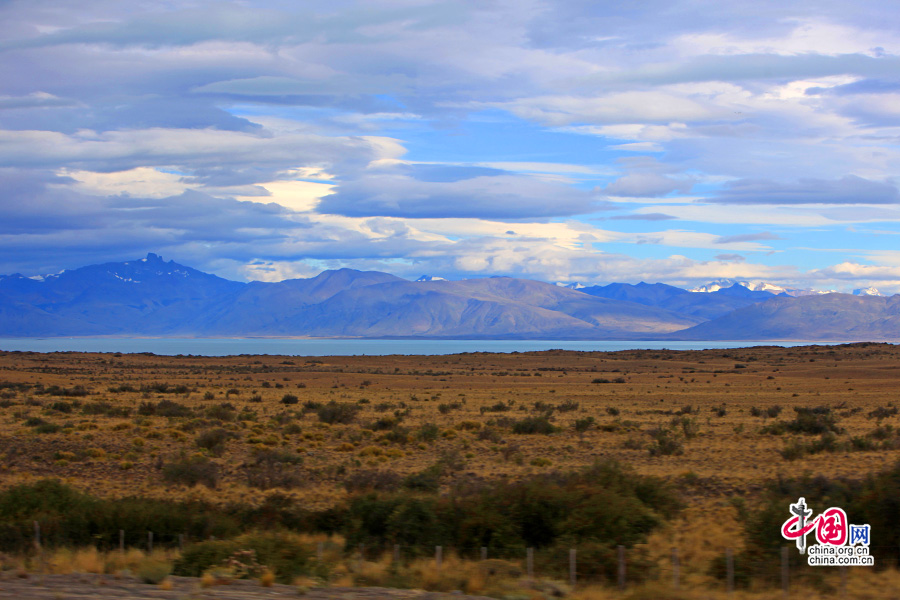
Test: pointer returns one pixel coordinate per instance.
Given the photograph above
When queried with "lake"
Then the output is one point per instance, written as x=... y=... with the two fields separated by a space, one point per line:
x=344 y=347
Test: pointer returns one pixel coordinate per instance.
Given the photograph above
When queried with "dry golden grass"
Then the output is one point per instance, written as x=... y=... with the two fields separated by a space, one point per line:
x=729 y=457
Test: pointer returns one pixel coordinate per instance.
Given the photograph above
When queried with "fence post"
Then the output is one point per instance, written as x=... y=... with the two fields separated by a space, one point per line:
x=122 y=541
x=529 y=562
x=675 y=568
x=362 y=551
x=573 y=571
x=438 y=555
x=149 y=541
x=621 y=567
x=785 y=576
x=483 y=553
x=397 y=553
x=180 y=542
x=320 y=549
x=37 y=536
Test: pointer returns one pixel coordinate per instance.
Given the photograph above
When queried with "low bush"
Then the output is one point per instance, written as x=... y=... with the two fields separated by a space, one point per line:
x=336 y=412
x=192 y=471
x=285 y=555
x=214 y=440
x=534 y=425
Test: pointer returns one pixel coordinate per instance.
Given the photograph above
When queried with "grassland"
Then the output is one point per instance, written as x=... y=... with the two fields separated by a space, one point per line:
x=717 y=424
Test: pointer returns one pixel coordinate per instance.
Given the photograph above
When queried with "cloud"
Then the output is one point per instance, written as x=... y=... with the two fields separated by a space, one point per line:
x=209 y=156
x=730 y=257
x=644 y=217
x=647 y=185
x=33 y=100
x=847 y=190
x=734 y=67
x=747 y=237
x=456 y=193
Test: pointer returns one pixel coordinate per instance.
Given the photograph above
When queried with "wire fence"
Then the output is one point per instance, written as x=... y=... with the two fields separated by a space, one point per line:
x=618 y=565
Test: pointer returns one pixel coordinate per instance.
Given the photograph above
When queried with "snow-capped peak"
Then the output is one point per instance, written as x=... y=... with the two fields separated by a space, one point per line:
x=869 y=291
x=575 y=285
x=430 y=278
x=753 y=286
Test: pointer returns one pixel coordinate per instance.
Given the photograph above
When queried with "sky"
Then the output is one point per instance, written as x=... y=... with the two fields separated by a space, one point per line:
x=570 y=141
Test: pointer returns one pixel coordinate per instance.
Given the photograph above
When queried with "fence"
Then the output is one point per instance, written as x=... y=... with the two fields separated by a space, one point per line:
x=579 y=569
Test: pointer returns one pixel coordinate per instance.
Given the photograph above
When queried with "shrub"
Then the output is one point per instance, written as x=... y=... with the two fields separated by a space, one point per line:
x=665 y=443
x=164 y=408
x=871 y=500
x=222 y=412
x=335 y=412
x=583 y=425
x=367 y=481
x=534 y=425
x=446 y=407
x=274 y=469
x=153 y=571
x=214 y=440
x=428 y=432
x=192 y=471
x=285 y=555
x=883 y=412
x=605 y=504
x=165 y=388
x=289 y=399
x=105 y=409
x=814 y=420
x=427 y=480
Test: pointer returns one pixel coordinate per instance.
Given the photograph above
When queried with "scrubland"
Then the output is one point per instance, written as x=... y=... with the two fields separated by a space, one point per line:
x=697 y=451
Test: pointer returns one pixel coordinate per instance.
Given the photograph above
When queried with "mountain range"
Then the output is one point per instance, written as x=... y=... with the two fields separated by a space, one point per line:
x=155 y=297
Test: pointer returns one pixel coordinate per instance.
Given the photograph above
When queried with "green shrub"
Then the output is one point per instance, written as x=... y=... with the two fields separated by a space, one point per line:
x=283 y=553
x=815 y=420
x=153 y=571
x=605 y=504
x=428 y=432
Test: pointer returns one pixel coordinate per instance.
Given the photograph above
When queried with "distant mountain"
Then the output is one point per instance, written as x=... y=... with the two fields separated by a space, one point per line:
x=430 y=278
x=147 y=296
x=826 y=317
x=705 y=306
x=154 y=297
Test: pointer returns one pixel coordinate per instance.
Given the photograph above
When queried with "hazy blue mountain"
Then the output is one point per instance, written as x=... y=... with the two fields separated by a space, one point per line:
x=154 y=297
x=705 y=305
x=825 y=317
